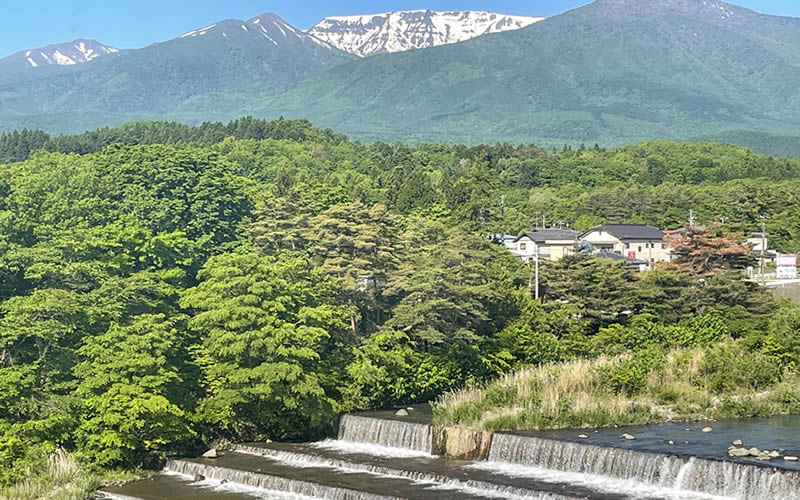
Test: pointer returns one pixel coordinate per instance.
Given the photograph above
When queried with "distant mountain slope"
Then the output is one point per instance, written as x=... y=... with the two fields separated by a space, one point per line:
x=612 y=72
x=415 y=29
x=220 y=68
x=615 y=71
x=61 y=54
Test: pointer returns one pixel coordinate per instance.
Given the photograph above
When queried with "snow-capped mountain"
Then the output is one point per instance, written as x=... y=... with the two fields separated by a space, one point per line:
x=61 y=54
x=269 y=26
x=415 y=29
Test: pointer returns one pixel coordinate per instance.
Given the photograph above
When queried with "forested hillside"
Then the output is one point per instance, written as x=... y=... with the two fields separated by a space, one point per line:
x=162 y=286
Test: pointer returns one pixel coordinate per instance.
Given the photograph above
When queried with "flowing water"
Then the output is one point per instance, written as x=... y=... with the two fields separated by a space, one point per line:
x=638 y=473
x=388 y=433
x=381 y=456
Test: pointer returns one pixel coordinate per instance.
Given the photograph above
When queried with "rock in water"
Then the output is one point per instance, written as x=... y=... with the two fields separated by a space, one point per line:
x=738 y=442
x=790 y=459
x=401 y=413
x=754 y=452
x=774 y=454
x=670 y=442
x=212 y=453
x=628 y=436
x=410 y=409
x=583 y=436
x=199 y=477
x=707 y=429
x=739 y=452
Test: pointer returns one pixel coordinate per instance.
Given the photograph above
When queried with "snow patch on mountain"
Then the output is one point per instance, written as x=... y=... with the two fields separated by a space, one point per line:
x=62 y=54
x=399 y=31
x=200 y=32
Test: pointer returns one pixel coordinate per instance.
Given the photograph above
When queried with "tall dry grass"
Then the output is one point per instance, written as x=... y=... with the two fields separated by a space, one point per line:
x=60 y=477
x=578 y=394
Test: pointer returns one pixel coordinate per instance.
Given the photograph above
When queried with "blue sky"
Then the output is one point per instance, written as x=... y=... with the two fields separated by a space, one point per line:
x=133 y=24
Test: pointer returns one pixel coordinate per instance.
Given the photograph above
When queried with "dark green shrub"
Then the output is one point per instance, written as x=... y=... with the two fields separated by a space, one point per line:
x=728 y=366
x=630 y=376
x=699 y=330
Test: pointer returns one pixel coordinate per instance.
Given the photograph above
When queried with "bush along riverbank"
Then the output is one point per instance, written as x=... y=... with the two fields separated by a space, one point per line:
x=59 y=476
x=724 y=380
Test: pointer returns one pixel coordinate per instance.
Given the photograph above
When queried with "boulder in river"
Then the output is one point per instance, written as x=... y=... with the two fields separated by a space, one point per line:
x=401 y=413
x=461 y=443
x=583 y=436
x=738 y=452
x=774 y=454
x=629 y=437
x=754 y=452
x=212 y=453
x=790 y=459
x=707 y=429
x=738 y=442
x=199 y=477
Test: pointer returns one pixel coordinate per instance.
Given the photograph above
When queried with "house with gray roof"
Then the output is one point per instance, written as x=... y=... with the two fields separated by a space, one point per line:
x=634 y=241
x=551 y=244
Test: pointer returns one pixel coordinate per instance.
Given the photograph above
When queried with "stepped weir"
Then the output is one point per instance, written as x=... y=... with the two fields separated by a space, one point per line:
x=386 y=458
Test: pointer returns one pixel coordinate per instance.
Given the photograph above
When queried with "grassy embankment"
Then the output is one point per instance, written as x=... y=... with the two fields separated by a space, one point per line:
x=722 y=381
x=61 y=477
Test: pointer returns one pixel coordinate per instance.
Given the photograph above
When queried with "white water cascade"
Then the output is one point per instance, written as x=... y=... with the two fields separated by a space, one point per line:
x=389 y=433
x=641 y=473
x=270 y=482
x=381 y=469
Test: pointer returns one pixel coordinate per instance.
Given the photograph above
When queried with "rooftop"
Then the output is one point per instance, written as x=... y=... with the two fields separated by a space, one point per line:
x=543 y=235
x=630 y=231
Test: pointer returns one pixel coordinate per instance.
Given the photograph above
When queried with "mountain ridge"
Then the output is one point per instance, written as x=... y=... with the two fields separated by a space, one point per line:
x=597 y=73
x=612 y=72
x=77 y=51
x=208 y=69
x=398 y=31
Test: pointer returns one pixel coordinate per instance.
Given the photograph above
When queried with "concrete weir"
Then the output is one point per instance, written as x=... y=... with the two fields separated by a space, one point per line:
x=380 y=456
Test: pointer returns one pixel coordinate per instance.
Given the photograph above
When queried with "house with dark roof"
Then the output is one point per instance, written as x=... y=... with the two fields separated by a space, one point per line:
x=551 y=244
x=635 y=241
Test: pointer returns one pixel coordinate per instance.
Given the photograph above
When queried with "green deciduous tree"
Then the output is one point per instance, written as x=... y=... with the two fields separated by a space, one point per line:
x=129 y=382
x=263 y=327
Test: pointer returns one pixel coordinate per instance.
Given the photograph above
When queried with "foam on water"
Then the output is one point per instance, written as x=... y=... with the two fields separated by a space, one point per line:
x=369 y=449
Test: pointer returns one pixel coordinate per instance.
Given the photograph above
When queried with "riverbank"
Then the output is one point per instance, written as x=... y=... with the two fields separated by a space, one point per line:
x=61 y=477
x=645 y=388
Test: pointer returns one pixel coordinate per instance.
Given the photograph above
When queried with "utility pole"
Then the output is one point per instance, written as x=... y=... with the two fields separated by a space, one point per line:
x=536 y=260
x=691 y=217
x=763 y=245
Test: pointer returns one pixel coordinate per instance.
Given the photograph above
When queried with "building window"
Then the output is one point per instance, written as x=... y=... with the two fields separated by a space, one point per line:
x=523 y=246
x=640 y=249
x=663 y=246
x=627 y=245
